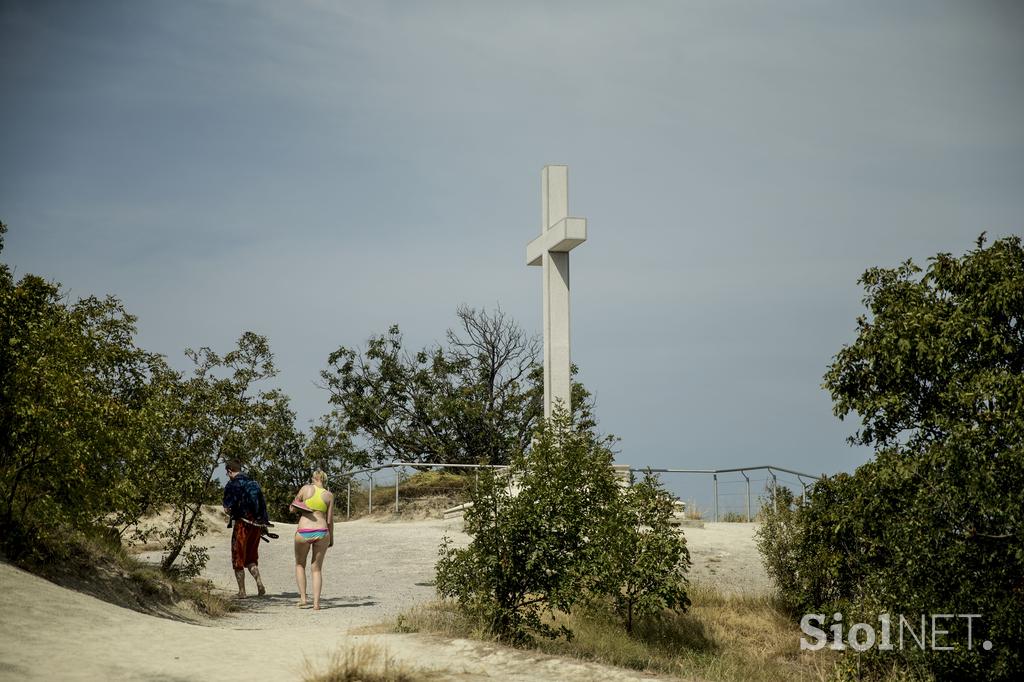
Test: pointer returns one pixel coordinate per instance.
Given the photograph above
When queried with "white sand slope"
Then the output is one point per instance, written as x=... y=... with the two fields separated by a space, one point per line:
x=50 y=633
x=375 y=571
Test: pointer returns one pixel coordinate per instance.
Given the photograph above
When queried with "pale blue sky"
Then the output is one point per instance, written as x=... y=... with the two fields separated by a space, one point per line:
x=316 y=171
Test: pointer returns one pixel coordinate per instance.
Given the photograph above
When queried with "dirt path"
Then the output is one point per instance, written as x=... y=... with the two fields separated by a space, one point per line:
x=378 y=569
x=725 y=555
x=375 y=571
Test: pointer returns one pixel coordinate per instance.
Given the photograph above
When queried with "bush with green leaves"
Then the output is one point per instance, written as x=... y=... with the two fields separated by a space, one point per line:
x=777 y=537
x=532 y=527
x=932 y=524
x=643 y=557
x=556 y=530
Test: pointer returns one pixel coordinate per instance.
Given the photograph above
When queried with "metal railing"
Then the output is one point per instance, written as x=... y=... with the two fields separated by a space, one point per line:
x=397 y=468
x=771 y=482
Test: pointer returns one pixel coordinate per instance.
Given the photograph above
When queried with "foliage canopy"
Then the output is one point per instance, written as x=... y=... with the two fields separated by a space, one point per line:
x=96 y=432
x=477 y=399
x=933 y=523
x=555 y=530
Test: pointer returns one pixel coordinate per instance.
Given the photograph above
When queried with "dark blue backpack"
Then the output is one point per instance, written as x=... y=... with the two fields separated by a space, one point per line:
x=250 y=500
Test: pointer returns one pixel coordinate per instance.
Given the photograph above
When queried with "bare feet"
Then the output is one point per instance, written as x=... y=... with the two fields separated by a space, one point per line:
x=255 y=571
x=316 y=607
x=302 y=603
x=241 y=595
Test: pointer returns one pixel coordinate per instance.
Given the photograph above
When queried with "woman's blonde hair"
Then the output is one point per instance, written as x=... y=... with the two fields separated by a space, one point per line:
x=319 y=475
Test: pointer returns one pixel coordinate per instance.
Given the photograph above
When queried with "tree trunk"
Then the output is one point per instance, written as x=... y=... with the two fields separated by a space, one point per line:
x=184 y=535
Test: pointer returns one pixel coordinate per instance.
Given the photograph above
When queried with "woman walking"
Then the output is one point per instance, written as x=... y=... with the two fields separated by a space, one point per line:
x=315 y=532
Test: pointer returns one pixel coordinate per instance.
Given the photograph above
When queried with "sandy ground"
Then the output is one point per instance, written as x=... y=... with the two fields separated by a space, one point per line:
x=725 y=555
x=376 y=570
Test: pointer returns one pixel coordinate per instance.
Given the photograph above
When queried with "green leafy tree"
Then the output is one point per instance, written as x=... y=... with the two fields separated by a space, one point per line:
x=96 y=432
x=533 y=527
x=477 y=399
x=74 y=419
x=933 y=523
x=213 y=415
x=644 y=557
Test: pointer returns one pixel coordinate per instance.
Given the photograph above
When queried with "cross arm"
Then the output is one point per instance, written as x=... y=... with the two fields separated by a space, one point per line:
x=565 y=235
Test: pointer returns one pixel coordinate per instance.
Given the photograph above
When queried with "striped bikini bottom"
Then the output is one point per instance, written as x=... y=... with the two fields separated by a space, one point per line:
x=310 y=535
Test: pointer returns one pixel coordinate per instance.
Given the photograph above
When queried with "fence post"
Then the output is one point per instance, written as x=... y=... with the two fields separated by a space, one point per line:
x=348 y=500
x=748 y=494
x=803 y=491
x=716 y=497
x=775 y=485
x=371 y=495
x=398 y=475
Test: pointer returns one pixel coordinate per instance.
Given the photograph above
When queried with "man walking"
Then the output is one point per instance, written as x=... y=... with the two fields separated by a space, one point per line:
x=245 y=505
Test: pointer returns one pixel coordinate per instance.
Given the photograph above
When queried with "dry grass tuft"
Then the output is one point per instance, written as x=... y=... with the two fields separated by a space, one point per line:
x=364 y=663
x=693 y=511
x=203 y=595
x=721 y=637
x=441 y=618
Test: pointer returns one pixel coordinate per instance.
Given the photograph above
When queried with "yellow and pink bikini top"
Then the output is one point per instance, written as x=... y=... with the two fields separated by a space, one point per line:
x=315 y=501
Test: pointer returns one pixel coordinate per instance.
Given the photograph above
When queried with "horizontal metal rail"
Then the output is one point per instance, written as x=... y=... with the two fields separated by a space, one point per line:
x=770 y=468
x=391 y=465
x=766 y=467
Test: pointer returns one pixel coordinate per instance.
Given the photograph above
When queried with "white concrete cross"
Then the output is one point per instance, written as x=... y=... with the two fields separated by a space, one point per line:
x=559 y=234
